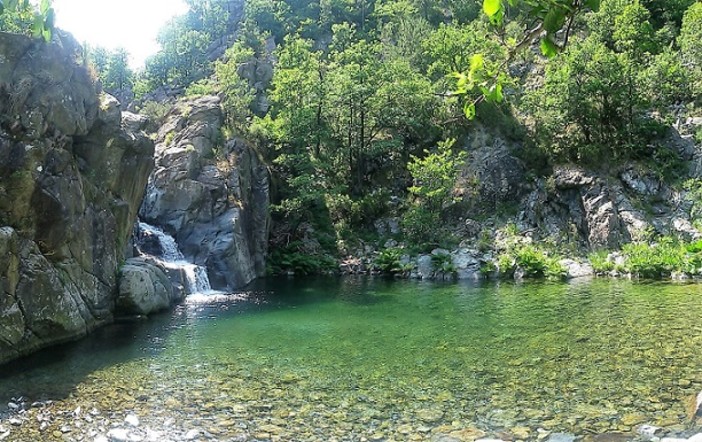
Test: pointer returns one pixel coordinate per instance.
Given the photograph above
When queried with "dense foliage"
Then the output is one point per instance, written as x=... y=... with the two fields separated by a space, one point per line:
x=362 y=109
x=604 y=96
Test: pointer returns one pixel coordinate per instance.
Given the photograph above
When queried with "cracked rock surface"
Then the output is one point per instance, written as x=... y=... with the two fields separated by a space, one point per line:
x=73 y=169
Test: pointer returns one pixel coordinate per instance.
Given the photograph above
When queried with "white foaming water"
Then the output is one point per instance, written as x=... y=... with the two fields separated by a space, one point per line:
x=172 y=258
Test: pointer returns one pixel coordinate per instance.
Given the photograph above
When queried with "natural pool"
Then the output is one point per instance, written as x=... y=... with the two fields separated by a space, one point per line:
x=348 y=359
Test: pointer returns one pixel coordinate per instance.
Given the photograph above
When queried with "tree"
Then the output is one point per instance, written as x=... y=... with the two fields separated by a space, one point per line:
x=433 y=176
x=689 y=41
x=691 y=36
x=633 y=32
x=239 y=95
x=485 y=81
x=591 y=107
x=117 y=75
x=184 y=41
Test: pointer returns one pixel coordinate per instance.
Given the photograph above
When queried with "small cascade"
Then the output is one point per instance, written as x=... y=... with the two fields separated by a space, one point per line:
x=172 y=258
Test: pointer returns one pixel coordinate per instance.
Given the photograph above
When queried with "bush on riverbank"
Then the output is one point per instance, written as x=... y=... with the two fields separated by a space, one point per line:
x=529 y=261
x=662 y=259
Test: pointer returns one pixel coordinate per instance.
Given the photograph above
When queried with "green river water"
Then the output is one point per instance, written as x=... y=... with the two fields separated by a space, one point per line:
x=370 y=359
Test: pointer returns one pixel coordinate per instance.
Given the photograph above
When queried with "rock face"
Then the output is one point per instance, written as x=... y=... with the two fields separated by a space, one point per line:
x=493 y=173
x=72 y=174
x=581 y=206
x=211 y=194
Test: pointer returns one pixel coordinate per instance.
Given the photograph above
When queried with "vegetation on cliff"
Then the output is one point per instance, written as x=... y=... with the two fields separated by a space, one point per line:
x=364 y=110
x=361 y=98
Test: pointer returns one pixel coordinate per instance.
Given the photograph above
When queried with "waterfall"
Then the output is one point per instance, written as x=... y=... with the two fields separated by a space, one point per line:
x=172 y=258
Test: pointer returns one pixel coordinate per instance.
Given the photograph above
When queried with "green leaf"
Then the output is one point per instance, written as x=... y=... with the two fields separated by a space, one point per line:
x=37 y=26
x=496 y=93
x=469 y=110
x=44 y=6
x=461 y=83
x=497 y=18
x=548 y=47
x=554 y=20
x=593 y=4
x=50 y=19
x=2 y=7
x=492 y=7
x=476 y=62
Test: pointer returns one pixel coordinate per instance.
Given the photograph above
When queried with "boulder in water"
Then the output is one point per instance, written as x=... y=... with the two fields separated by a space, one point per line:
x=143 y=288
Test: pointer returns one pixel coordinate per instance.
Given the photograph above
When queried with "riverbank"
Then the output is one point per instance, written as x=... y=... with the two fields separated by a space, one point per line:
x=520 y=257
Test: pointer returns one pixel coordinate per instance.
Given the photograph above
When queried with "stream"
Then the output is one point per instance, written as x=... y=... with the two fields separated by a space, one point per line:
x=354 y=359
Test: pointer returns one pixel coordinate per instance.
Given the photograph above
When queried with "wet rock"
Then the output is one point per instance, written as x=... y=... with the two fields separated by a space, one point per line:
x=576 y=269
x=609 y=437
x=562 y=437
x=632 y=419
x=211 y=195
x=444 y=438
x=143 y=288
x=694 y=406
x=118 y=435
x=132 y=420
x=430 y=415
x=192 y=434
x=520 y=432
x=649 y=431
x=425 y=268
x=467 y=263
x=72 y=177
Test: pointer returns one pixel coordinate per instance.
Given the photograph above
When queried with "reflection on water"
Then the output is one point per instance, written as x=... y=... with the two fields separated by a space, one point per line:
x=585 y=357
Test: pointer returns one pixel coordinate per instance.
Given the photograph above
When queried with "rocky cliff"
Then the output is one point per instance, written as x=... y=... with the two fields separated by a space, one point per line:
x=72 y=174
x=211 y=192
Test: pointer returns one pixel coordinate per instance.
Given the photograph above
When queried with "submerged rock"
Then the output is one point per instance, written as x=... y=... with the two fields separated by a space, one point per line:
x=561 y=437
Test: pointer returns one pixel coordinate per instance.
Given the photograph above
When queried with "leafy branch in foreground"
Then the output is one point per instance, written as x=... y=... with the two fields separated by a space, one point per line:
x=42 y=24
x=484 y=81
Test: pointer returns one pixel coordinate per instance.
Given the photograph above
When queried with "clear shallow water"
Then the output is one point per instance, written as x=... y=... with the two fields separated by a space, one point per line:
x=352 y=358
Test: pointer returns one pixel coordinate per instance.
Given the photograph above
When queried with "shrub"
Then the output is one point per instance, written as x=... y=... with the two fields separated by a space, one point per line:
x=389 y=261
x=156 y=112
x=532 y=261
x=657 y=260
x=600 y=262
x=293 y=258
x=199 y=88
x=434 y=176
x=443 y=263
x=591 y=106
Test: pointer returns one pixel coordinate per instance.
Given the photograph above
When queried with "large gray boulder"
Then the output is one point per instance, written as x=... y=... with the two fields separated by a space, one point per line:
x=144 y=288
x=72 y=175
x=211 y=194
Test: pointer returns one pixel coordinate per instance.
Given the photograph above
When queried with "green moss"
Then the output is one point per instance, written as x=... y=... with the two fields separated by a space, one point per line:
x=168 y=139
